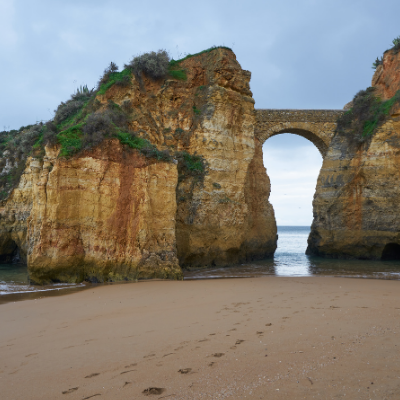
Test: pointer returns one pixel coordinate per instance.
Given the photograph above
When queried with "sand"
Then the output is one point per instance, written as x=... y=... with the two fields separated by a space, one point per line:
x=264 y=338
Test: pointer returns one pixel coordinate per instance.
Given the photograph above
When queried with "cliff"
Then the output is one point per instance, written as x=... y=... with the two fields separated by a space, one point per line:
x=178 y=183
x=357 y=199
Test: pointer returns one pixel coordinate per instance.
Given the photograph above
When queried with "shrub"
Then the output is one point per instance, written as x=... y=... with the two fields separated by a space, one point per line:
x=16 y=146
x=75 y=104
x=152 y=152
x=50 y=134
x=367 y=114
x=196 y=110
x=107 y=73
x=97 y=127
x=190 y=165
x=66 y=110
x=396 y=43
x=82 y=93
x=377 y=62
x=154 y=64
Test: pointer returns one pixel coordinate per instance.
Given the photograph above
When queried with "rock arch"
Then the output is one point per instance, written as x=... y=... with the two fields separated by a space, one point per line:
x=318 y=126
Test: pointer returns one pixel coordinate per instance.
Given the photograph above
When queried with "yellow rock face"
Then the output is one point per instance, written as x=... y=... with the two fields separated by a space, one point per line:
x=113 y=214
x=356 y=204
x=210 y=114
x=106 y=215
x=356 y=207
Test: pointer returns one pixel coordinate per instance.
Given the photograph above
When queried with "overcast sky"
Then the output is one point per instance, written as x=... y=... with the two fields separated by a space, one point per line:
x=302 y=54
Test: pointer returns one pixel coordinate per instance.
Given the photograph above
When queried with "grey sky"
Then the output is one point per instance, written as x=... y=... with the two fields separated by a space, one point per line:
x=302 y=53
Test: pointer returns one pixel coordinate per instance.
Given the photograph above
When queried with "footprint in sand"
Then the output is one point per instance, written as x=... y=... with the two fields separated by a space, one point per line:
x=149 y=355
x=269 y=324
x=211 y=364
x=239 y=341
x=89 y=397
x=203 y=340
x=259 y=332
x=126 y=384
x=30 y=355
x=70 y=390
x=185 y=370
x=125 y=372
x=218 y=354
x=153 y=390
x=131 y=365
x=92 y=375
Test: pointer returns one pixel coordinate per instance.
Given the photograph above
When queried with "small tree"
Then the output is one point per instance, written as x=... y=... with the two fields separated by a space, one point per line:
x=378 y=61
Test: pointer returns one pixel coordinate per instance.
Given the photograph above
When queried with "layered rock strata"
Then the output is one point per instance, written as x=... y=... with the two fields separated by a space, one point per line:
x=356 y=204
x=113 y=214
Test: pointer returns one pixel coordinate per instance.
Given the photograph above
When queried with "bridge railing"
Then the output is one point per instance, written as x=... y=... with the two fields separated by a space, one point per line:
x=288 y=115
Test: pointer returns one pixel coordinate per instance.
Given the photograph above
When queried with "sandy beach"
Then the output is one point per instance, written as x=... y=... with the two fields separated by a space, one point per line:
x=265 y=338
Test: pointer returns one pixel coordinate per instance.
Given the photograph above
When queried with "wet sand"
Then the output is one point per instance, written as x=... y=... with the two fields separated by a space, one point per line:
x=265 y=338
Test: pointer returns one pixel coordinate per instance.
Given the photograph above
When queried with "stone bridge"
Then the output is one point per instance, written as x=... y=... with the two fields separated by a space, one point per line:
x=318 y=126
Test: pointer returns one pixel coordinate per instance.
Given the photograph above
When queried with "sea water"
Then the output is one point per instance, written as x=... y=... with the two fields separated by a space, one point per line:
x=289 y=260
x=14 y=280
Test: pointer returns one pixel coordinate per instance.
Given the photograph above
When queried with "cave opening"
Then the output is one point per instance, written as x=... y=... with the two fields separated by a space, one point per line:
x=391 y=252
x=10 y=253
x=293 y=163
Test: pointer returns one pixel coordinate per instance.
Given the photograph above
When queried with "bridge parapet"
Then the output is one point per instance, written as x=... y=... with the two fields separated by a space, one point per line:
x=318 y=126
x=288 y=115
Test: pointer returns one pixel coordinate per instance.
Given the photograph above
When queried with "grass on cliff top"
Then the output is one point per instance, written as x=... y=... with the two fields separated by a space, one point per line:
x=122 y=78
x=79 y=124
x=176 y=73
x=367 y=114
x=176 y=62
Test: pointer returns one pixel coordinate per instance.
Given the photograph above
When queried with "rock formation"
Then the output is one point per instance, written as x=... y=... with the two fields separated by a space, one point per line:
x=356 y=204
x=110 y=213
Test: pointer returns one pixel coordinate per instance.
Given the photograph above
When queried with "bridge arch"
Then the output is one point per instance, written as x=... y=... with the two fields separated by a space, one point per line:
x=318 y=126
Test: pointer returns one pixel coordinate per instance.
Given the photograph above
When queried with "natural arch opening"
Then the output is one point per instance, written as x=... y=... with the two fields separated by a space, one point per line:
x=391 y=252
x=293 y=164
x=310 y=136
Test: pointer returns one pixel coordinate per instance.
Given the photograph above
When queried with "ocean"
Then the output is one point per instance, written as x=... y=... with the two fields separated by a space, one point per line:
x=289 y=260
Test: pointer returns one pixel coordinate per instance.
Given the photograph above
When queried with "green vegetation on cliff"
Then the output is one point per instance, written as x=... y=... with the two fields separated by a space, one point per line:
x=83 y=122
x=395 y=48
x=367 y=114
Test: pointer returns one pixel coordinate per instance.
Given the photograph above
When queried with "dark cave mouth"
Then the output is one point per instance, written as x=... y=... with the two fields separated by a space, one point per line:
x=391 y=252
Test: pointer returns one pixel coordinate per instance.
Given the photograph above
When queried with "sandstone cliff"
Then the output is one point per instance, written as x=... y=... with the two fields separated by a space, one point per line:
x=356 y=204
x=111 y=213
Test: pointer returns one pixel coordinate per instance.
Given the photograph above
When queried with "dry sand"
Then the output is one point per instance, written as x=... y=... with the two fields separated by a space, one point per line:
x=265 y=338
